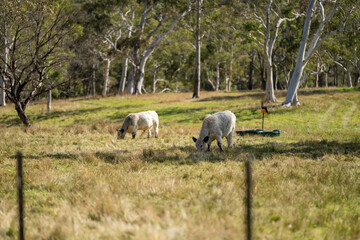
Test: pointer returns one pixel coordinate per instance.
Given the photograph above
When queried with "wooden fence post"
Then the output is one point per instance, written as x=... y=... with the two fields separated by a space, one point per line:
x=248 y=199
x=20 y=194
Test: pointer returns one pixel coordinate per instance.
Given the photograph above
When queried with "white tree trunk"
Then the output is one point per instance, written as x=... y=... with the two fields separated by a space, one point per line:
x=2 y=80
x=106 y=76
x=326 y=78
x=209 y=80
x=123 y=76
x=217 y=80
x=318 y=72
x=140 y=82
x=304 y=54
x=196 y=93
x=269 y=43
x=299 y=67
x=347 y=72
x=2 y=92
x=227 y=83
x=269 y=92
x=131 y=80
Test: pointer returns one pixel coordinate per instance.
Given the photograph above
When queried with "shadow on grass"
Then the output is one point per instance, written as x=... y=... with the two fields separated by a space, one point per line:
x=187 y=155
x=307 y=149
x=282 y=93
x=328 y=91
x=256 y=95
x=13 y=120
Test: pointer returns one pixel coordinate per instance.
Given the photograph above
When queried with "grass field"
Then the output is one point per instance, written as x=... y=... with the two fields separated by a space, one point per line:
x=83 y=183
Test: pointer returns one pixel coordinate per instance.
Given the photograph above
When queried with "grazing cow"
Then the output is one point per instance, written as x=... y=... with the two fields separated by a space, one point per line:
x=139 y=121
x=216 y=126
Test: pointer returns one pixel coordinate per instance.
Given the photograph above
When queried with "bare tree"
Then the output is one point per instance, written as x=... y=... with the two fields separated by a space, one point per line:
x=305 y=52
x=36 y=35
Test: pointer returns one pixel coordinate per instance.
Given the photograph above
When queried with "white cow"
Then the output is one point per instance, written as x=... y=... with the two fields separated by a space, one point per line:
x=139 y=121
x=215 y=127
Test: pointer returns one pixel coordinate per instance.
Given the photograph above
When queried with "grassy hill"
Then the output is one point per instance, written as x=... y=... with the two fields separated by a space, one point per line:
x=83 y=183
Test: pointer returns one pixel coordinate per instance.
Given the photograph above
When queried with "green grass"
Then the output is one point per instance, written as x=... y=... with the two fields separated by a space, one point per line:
x=83 y=183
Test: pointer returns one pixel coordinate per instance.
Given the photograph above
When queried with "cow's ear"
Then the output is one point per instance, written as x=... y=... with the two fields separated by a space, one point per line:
x=194 y=139
x=206 y=139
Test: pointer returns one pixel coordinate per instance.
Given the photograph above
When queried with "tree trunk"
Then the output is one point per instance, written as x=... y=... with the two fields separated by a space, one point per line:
x=131 y=80
x=227 y=81
x=357 y=79
x=335 y=76
x=300 y=64
x=196 y=93
x=154 y=82
x=106 y=76
x=276 y=78
x=208 y=79
x=2 y=80
x=251 y=71
x=123 y=76
x=217 y=82
x=2 y=92
x=94 y=80
x=140 y=81
x=287 y=77
x=269 y=92
x=49 y=101
x=21 y=113
x=326 y=78
x=230 y=68
x=317 y=75
x=151 y=48
x=294 y=85
x=262 y=71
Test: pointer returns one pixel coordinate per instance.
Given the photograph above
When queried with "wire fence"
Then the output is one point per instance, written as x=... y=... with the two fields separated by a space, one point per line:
x=247 y=200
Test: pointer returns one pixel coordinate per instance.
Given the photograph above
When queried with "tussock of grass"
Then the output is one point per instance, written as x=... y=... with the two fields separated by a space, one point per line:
x=83 y=183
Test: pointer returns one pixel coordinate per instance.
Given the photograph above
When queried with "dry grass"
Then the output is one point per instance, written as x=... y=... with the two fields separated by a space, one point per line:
x=82 y=183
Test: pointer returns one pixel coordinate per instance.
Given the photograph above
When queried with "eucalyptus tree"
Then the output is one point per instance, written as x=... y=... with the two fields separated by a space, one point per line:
x=270 y=21
x=35 y=36
x=197 y=79
x=321 y=15
x=105 y=22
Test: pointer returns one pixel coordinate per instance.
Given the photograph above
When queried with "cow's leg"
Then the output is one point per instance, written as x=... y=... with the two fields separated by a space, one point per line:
x=134 y=131
x=156 y=129
x=219 y=143
x=229 y=138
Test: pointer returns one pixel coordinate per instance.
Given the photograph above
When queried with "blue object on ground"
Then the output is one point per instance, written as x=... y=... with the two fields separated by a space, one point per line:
x=262 y=132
